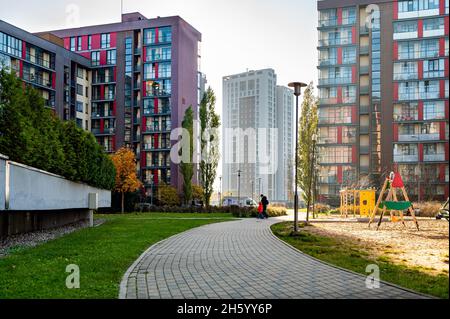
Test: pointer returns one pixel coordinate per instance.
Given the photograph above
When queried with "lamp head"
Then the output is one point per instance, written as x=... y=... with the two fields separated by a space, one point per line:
x=297 y=86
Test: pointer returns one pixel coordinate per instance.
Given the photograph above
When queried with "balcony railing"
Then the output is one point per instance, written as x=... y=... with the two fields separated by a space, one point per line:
x=402 y=117
x=364 y=149
x=364 y=129
x=399 y=76
x=434 y=157
x=335 y=81
x=339 y=41
x=103 y=79
x=328 y=22
x=37 y=79
x=102 y=114
x=406 y=96
x=418 y=137
x=326 y=62
x=364 y=109
x=406 y=158
x=364 y=70
x=328 y=180
x=106 y=131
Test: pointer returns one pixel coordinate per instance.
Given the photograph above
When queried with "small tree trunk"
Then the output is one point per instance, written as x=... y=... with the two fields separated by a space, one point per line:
x=123 y=202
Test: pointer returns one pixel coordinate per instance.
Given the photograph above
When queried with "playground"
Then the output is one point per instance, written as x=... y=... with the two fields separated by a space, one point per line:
x=427 y=249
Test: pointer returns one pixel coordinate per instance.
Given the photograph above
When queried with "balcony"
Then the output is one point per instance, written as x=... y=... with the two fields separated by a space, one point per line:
x=364 y=50
x=103 y=80
x=95 y=114
x=106 y=131
x=402 y=76
x=335 y=81
x=364 y=90
x=364 y=70
x=419 y=137
x=107 y=97
x=328 y=23
x=364 y=169
x=328 y=180
x=404 y=117
x=37 y=80
x=364 y=129
x=364 y=30
x=412 y=96
x=400 y=158
x=434 y=157
x=364 y=149
x=363 y=109
x=338 y=41
x=328 y=62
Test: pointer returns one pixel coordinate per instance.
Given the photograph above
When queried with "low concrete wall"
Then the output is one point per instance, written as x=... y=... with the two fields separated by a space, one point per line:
x=2 y=181
x=35 y=190
x=31 y=199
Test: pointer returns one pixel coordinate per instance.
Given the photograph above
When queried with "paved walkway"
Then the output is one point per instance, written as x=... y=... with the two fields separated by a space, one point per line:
x=240 y=259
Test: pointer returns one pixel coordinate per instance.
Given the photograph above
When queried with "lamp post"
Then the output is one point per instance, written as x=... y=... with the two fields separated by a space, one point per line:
x=311 y=192
x=239 y=188
x=220 y=191
x=297 y=92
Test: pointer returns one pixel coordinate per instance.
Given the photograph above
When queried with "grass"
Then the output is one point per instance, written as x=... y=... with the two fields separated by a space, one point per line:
x=350 y=256
x=103 y=255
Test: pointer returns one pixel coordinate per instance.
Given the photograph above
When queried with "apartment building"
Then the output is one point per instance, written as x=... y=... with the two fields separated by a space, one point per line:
x=62 y=77
x=129 y=83
x=253 y=101
x=383 y=90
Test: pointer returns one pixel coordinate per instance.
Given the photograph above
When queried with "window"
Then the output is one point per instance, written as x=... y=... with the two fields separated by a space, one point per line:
x=433 y=24
x=80 y=107
x=150 y=36
x=434 y=110
x=349 y=15
x=349 y=55
x=111 y=57
x=105 y=40
x=80 y=90
x=80 y=44
x=165 y=70
x=80 y=73
x=73 y=44
x=90 y=42
x=165 y=34
x=405 y=27
x=434 y=68
x=158 y=54
x=10 y=45
x=95 y=58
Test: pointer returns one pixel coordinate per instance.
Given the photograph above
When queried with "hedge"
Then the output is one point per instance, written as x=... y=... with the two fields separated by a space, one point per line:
x=245 y=212
x=31 y=134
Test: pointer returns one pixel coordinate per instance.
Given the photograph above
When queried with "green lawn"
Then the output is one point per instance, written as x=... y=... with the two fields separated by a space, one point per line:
x=353 y=257
x=103 y=254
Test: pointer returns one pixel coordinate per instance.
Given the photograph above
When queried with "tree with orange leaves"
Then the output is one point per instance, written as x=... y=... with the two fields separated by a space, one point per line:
x=126 y=178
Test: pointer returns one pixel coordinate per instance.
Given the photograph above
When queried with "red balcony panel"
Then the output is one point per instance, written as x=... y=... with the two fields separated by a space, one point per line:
x=420 y=28
x=144 y=54
x=396 y=91
x=84 y=43
x=420 y=69
x=21 y=69
x=420 y=111
x=339 y=135
x=144 y=124
x=395 y=133
x=340 y=175
x=395 y=7
x=115 y=74
x=156 y=140
x=442 y=89
x=354 y=115
x=95 y=41
x=54 y=80
x=442 y=172
x=354 y=154
x=442 y=134
x=441 y=7
x=67 y=43
x=156 y=35
x=102 y=92
x=420 y=152
x=113 y=39
x=339 y=55
x=102 y=125
x=354 y=76
x=155 y=177
x=156 y=103
x=144 y=90
x=446 y=25
x=143 y=159
x=113 y=143
x=339 y=95
x=441 y=47
x=103 y=57
x=339 y=16
x=354 y=35
x=156 y=70
x=395 y=50
x=115 y=108
x=446 y=151
x=24 y=50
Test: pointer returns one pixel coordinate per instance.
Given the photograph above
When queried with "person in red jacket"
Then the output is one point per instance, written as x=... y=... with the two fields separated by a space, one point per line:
x=260 y=211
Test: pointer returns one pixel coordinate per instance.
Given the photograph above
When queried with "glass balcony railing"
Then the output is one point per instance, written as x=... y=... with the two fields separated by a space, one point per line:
x=418 y=137
x=434 y=157
x=406 y=158
x=335 y=81
x=338 y=41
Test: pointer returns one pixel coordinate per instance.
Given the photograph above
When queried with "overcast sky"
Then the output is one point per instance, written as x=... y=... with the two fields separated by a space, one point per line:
x=237 y=34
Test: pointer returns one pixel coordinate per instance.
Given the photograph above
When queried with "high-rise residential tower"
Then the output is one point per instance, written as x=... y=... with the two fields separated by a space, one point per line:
x=252 y=102
x=383 y=90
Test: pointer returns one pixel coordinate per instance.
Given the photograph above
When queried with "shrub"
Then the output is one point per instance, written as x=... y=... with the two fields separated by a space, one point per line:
x=31 y=134
x=320 y=208
x=428 y=209
x=168 y=196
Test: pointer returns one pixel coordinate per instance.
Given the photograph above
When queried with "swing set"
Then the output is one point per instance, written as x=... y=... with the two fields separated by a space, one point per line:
x=391 y=202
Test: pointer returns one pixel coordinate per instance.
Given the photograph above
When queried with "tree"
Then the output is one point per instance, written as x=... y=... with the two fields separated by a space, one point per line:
x=126 y=177
x=167 y=195
x=197 y=192
x=187 y=168
x=209 y=124
x=308 y=128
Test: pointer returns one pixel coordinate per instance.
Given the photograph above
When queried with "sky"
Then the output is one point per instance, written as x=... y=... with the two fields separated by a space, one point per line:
x=237 y=34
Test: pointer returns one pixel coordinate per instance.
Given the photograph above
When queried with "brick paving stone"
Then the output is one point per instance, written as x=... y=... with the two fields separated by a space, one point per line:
x=241 y=259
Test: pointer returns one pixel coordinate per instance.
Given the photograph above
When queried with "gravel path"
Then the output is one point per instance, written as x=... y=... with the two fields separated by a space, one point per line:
x=33 y=239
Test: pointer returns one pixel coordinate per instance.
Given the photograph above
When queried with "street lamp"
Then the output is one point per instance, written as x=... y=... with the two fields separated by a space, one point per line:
x=220 y=191
x=297 y=92
x=311 y=192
